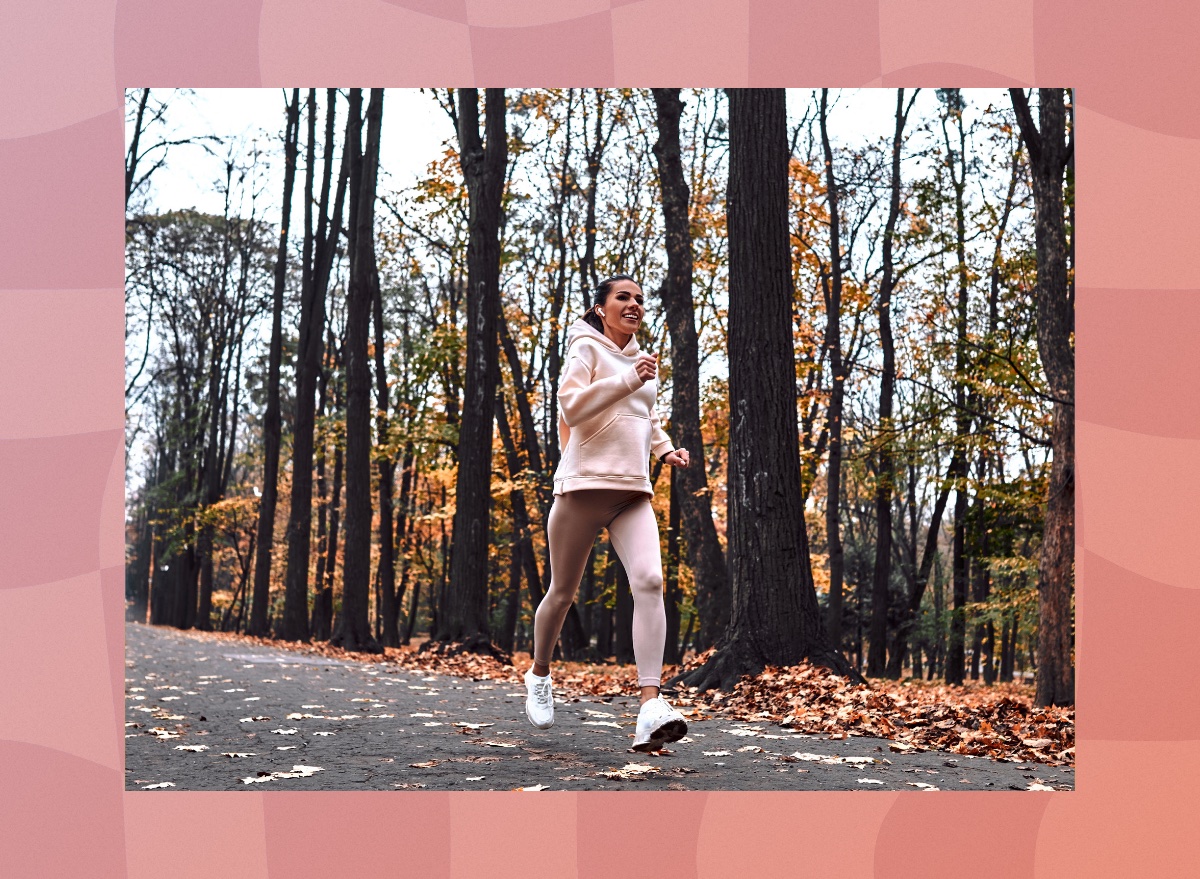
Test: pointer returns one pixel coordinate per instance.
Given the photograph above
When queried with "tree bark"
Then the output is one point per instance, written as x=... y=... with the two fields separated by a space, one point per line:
x=1048 y=158
x=389 y=608
x=463 y=609
x=833 y=343
x=308 y=359
x=705 y=557
x=352 y=629
x=886 y=472
x=774 y=615
x=265 y=539
x=956 y=648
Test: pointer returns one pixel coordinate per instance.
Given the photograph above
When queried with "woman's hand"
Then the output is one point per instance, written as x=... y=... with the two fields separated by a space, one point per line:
x=646 y=366
x=677 y=458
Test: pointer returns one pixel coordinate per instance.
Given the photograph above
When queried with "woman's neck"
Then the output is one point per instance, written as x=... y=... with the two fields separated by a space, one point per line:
x=621 y=339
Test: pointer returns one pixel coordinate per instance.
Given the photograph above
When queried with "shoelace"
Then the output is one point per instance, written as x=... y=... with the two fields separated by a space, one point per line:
x=541 y=692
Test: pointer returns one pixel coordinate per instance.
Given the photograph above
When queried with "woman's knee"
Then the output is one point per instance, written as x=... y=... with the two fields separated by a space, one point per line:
x=647 y=583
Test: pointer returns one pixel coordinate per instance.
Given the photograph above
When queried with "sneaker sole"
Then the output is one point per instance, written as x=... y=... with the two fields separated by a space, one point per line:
x=535 y=723
x=671 y=731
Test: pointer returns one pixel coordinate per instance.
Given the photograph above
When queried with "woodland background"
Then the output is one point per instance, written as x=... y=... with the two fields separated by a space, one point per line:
x=340 y=396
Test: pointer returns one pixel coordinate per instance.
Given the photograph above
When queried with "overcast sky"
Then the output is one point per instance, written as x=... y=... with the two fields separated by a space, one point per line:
x=415 y=127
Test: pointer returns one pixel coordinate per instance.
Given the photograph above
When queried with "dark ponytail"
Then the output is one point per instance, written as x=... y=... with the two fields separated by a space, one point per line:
x=602 y=290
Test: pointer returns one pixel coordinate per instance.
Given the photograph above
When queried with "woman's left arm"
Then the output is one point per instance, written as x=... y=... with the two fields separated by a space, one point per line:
x=660 y=443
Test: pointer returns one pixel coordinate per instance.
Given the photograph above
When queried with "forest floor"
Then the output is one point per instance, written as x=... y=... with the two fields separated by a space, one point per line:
x=208 y=711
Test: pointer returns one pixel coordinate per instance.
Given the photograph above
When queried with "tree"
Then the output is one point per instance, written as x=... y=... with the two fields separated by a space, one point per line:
x=837 y=392
x=774 y=616
x=886 y=471
x=265 y=539
x=1050 y=151
x=689 y=487
x=463 y=609
x=956 y=165
x=352 y=629
x=317 y=260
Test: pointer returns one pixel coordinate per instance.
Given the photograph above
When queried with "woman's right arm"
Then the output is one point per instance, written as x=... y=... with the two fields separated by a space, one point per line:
x=580 y=398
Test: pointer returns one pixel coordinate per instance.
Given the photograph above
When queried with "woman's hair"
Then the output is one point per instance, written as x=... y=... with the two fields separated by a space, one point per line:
x=602 y=291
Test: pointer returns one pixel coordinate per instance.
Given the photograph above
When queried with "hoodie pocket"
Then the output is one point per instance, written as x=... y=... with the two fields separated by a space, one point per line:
x=620 y=448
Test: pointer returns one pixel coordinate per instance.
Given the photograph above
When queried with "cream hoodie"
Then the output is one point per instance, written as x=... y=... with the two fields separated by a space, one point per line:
x=607 y=424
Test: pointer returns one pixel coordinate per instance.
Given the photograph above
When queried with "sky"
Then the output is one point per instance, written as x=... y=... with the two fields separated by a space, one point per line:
x=414 y=129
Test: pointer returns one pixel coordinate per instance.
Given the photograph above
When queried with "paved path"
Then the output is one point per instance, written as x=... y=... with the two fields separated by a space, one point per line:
x=193 y=700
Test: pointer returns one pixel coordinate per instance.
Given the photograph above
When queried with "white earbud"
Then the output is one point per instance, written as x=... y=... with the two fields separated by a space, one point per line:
x=601 y=313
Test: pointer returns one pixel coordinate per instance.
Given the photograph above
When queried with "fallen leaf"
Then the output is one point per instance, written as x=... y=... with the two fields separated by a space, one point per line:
x=285 y=732
x=160 y=784
x=631 y=771
x=428 y=764
x=191 y=747
x=237 y=754
x=869 y=781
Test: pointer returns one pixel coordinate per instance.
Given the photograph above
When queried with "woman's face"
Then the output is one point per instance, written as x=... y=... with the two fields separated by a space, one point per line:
x=623 y=309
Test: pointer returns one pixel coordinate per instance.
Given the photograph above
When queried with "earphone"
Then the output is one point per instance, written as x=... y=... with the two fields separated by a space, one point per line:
x=599 y=312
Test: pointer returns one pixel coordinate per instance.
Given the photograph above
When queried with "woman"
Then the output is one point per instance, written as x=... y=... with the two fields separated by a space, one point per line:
x=608 y=429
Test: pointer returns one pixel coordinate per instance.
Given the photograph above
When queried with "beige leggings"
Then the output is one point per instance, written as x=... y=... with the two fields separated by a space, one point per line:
x=575 y=519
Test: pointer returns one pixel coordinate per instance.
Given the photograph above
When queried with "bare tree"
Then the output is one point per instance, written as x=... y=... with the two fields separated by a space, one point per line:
x=352 y=629
x=774 y=616
x=463 y=609
x=1050 y=151
x=689 y=487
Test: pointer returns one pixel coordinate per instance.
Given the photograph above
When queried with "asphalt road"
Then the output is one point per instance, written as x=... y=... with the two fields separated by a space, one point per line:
x=208 y=714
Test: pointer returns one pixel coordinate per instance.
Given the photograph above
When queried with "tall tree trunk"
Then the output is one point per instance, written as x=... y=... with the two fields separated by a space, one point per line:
x=352 y=629
x=774 y=616
x=462 y=611
x=1050 y=152
x=408 y=471
x=308 y=359
x=389 y=610
x=322 y=611
x=322 y=445
x=956 y=165
x=886 y=475
x=833 y=344
x=705 y=557
x=265 y=539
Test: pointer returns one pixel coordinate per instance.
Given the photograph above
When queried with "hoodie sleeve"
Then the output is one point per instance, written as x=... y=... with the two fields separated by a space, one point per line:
x=580 y=398
x=660 y=443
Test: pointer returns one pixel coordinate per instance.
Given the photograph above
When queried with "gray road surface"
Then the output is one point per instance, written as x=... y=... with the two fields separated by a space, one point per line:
x=191 y=701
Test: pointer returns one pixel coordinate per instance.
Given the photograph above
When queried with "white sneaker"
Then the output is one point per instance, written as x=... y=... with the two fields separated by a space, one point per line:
x=657 y=724
x=539 y=704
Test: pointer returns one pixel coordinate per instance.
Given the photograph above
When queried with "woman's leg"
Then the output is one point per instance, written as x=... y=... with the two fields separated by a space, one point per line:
x=634 y=534
x=575 y=519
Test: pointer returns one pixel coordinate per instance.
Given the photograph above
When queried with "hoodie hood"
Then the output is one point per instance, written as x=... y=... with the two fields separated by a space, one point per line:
x=581 y=329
